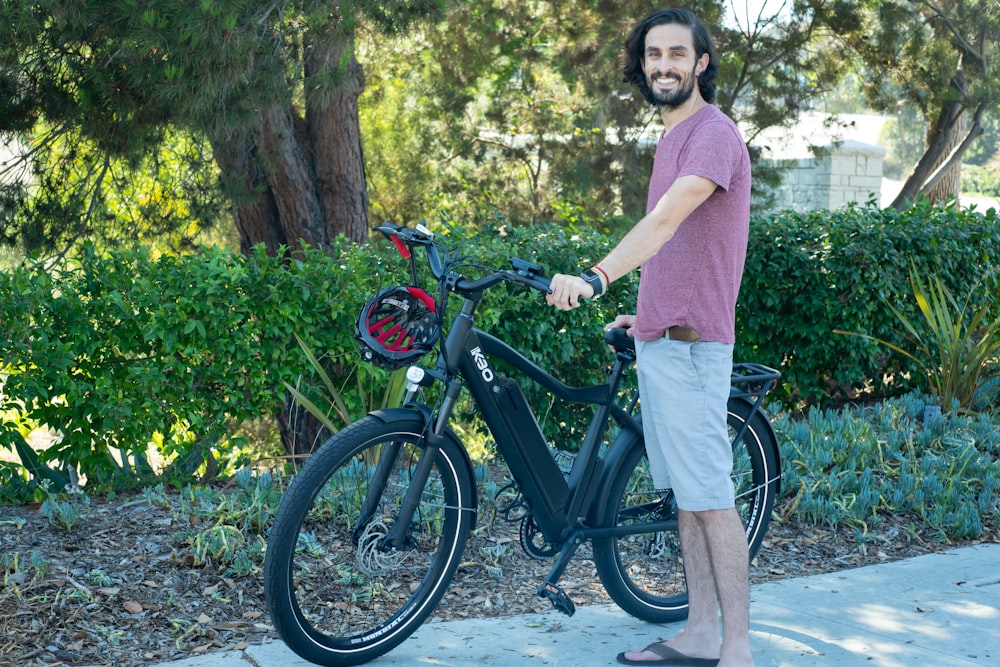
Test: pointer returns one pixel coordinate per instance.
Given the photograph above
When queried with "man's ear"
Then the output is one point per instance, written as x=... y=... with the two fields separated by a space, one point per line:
x=702 y=64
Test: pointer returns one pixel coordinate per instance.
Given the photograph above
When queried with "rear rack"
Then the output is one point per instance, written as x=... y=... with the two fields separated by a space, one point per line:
x=754 y=380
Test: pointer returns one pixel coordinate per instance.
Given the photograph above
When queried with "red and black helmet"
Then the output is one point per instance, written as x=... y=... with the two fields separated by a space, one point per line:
x=398 y=326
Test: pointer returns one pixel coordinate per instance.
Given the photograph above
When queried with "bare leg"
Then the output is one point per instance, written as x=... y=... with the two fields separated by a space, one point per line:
x=727 y=544
x=716 y=564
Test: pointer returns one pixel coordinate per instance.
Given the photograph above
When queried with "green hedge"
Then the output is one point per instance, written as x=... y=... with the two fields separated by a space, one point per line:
x=128 y=350
x=128 y=345
x=810 y=274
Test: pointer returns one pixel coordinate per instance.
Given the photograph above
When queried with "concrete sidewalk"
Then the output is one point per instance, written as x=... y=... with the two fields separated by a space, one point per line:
x=941 y=610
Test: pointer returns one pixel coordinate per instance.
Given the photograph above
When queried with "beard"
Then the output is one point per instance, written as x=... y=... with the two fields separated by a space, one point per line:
x=672 y=99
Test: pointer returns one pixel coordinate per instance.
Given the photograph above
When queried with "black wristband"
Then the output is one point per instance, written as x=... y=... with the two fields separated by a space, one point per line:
x=594 y=280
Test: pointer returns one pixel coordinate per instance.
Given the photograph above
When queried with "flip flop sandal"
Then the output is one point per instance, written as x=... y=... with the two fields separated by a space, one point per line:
x=668 y=656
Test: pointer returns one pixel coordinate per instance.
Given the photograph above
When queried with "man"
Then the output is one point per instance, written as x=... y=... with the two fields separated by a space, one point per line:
x=691 y=246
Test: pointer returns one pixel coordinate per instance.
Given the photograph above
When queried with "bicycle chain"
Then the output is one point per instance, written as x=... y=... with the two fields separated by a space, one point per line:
x=532 y=541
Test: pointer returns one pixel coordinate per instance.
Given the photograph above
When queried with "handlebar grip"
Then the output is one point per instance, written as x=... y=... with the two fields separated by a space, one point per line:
x=388 y=229
x=419 y=235
x=542 y=284
x=406 y=237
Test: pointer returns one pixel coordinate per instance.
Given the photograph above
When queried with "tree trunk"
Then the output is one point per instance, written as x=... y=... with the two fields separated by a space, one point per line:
x=295 y=181
x=254 y=210
x=300 y=180
x=944 y=137
x=291 y=180
x=950 y=183
x=334 y=129
x=290 y=187
x=942 y=134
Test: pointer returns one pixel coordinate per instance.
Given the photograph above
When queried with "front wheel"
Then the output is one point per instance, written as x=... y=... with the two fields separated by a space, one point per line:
x=336 y=593
x=644 y=573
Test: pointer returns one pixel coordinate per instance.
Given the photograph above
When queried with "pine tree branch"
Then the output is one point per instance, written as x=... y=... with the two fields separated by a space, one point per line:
x=957 y=38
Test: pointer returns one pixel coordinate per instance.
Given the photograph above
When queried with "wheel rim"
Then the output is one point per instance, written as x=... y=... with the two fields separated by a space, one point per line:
x=650 y=562
x=349 y=593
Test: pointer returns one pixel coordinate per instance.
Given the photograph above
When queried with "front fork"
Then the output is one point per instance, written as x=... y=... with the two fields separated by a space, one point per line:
x=433 y=438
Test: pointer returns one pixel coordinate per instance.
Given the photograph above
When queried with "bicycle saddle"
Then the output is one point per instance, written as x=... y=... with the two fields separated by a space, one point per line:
x=620 y=340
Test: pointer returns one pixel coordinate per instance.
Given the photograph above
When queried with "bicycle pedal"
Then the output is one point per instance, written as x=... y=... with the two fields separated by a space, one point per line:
x=558 y=598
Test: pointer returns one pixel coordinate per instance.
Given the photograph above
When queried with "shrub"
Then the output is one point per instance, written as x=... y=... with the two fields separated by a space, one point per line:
x=953 y=345
x=853 y=467
x=809 y=274
x=128 y=350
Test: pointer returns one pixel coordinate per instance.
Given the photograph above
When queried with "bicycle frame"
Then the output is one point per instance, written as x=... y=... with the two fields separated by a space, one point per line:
x=556 y=503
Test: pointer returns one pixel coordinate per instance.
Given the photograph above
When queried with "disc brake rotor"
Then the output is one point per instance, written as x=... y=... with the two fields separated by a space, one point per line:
x=374 y=561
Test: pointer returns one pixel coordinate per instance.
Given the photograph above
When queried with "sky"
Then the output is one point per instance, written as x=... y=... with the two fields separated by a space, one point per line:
x=739 y=10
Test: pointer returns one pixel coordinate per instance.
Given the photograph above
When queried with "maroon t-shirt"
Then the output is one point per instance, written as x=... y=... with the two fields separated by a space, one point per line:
x=694 y=279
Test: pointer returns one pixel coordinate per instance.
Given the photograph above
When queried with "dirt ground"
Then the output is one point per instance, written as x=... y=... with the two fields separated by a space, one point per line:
x=119 y=589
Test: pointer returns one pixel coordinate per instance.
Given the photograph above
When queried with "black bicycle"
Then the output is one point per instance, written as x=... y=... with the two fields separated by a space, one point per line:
x=371 y=530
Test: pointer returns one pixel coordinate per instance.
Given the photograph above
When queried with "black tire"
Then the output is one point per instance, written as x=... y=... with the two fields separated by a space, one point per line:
x=333 y=595
x=644 y=573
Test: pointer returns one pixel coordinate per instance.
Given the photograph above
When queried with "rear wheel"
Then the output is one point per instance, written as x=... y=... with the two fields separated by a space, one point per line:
x=336 y=594
x=644 y=573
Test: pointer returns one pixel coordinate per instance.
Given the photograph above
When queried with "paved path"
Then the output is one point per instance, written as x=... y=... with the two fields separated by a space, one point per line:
x=940 y=610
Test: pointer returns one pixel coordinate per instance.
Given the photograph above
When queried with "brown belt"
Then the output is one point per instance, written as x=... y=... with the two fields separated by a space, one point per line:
x=685 y=334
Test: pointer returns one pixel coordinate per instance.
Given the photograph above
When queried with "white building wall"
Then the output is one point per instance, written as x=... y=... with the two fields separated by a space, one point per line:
x=840 y=173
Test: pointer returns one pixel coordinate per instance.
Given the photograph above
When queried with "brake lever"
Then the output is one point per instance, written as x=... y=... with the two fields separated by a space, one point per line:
x=524 y=266
x=403 y=237
x=530 y=274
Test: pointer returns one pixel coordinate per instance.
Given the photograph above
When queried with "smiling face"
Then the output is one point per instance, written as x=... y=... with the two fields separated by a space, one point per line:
x=671 y=65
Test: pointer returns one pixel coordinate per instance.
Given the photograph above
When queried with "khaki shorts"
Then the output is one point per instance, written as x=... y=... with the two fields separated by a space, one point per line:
x=684 y=390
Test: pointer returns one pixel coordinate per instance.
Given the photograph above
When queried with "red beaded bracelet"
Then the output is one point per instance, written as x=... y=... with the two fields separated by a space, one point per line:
x=607 y=281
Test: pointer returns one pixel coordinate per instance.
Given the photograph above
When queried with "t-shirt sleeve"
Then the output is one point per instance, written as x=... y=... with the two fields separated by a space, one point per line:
x=711 y=152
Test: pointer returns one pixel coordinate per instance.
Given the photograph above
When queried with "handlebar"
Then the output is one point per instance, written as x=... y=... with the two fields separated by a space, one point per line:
x=521 y=272
x=753 y=379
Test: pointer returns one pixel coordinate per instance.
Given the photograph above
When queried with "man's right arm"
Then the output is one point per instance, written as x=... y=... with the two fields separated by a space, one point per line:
x=642 y=242
x=658 y=226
